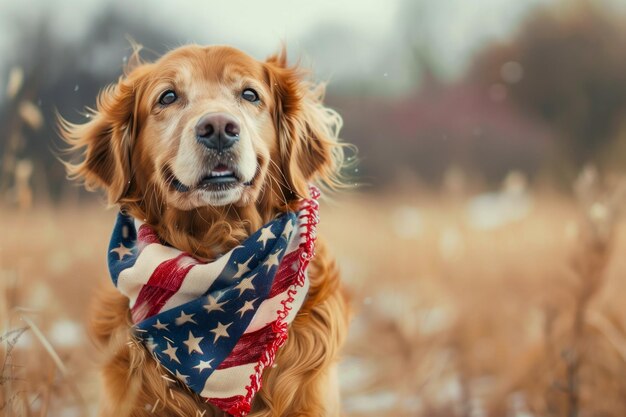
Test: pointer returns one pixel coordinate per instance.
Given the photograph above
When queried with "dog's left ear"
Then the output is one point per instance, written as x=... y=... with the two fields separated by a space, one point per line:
x=308 y=131
x=106 y=140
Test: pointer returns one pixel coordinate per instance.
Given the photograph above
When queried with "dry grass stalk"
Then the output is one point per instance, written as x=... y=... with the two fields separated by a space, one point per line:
x=15 y=174
x=558 y=376
x=27 y=385
x=14 y=84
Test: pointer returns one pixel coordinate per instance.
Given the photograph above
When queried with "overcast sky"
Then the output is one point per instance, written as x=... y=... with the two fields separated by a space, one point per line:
x=366 y=30
x=254 y=23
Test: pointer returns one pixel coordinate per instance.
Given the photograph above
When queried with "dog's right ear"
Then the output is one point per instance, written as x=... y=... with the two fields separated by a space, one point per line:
x=106 y=141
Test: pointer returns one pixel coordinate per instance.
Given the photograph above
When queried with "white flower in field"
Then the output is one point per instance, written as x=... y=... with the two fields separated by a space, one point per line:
x=407 y=222
x=41 y=295
x=518 y=405
x=599 y=212
x=355 y=373
x=70 y=411
x=492 y=210
x=371 y=402
x=66 y=333
x=450 y=390
x=434 y=320
x=451 y=243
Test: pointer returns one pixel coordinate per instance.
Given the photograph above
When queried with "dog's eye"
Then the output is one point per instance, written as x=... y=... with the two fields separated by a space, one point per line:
x=250 y=95
x=168 y=97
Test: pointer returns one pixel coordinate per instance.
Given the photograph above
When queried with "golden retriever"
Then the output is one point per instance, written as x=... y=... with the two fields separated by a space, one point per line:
x=148 y=144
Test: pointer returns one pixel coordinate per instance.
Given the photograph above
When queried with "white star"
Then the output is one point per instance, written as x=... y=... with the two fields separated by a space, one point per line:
x=213 y=305
x=220 y=331
x=193 y=343
x=181 y=376
x=272 y=260
x=160 y=326
x=243 y=268
x=122 y=251
x=185 y=318
x=247 y=306
x=151 y=345
x=171 y=352
x=202 y=365
x=266 y=234
x=288 y=228
x=245 y=284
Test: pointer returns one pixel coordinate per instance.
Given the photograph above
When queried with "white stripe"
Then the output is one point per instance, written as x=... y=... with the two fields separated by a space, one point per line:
x=297 y=237
x=197 y=282
x=224 y=383
x=200 y=277
x=267 y=311
x=131 y=280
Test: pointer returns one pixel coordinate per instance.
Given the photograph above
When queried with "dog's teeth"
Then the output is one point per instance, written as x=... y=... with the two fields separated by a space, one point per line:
x=221 y=173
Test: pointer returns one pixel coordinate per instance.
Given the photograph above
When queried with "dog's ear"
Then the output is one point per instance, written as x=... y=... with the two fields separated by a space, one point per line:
x=106 y=140
x=309 y=148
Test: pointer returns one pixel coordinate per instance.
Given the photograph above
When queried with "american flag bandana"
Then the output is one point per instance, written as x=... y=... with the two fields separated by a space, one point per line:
x=216 y=325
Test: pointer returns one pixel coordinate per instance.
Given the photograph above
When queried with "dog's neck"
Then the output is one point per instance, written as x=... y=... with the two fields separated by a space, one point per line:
x=206 y=232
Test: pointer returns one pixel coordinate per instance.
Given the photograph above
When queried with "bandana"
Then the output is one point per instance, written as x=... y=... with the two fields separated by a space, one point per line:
x=216 y=325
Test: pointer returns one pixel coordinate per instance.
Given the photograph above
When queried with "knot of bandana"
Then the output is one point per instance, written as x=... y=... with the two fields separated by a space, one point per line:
x=216 y=325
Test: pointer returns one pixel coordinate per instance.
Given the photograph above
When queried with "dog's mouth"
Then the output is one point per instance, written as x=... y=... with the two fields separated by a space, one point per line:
x=220 y=178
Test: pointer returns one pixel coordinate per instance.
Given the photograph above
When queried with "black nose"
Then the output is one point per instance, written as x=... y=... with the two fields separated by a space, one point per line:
x=217 y=131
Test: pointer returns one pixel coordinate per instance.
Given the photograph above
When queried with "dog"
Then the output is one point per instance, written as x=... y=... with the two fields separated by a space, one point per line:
x=205 y=145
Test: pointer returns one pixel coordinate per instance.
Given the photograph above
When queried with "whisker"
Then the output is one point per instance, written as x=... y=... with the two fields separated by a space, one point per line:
x=279 y=182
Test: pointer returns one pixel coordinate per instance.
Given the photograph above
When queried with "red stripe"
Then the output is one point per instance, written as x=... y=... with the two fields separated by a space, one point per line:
x=164 y=282
x=286 y=273
x=146 y=235
x=236 y=405
x=249 y=348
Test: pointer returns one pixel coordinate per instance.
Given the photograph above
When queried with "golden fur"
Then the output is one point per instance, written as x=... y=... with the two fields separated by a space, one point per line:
x=128 y=148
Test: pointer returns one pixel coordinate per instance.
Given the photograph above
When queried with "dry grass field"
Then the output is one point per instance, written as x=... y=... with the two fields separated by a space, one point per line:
x=467 y=301
x=501 y=304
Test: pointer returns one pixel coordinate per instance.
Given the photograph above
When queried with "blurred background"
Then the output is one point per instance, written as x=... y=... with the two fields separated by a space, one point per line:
x=481 y=243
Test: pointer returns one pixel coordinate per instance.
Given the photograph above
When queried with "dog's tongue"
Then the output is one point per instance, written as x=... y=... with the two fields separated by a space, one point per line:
x=220 y=168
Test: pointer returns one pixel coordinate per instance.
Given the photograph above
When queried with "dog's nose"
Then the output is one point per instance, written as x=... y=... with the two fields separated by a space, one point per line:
x=217 y=131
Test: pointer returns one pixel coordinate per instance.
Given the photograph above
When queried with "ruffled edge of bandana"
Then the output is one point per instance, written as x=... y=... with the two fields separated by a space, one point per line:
x=240 y=406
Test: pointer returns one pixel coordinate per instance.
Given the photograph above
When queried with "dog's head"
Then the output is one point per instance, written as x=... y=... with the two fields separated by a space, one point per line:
x=207 y=127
